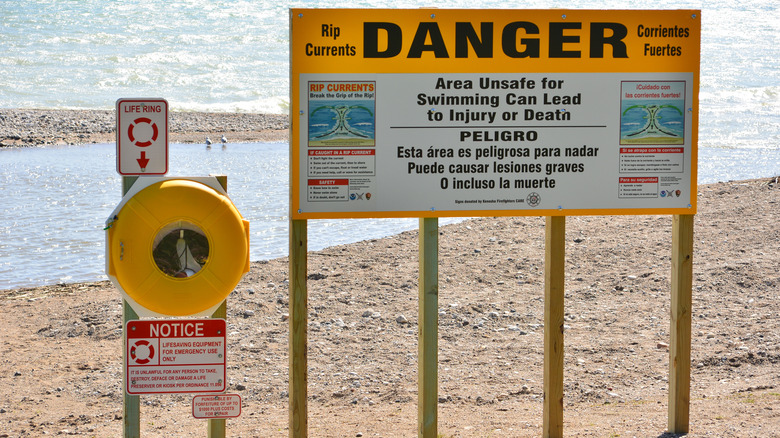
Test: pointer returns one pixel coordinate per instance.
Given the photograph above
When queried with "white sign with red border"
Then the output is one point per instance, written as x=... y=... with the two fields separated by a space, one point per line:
x=216 y=406
x=142 y=136
x=175 y=356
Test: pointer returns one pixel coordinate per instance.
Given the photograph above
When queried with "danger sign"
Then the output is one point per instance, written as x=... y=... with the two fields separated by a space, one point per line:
x=175 y=356
x=142 y=136
x=462 y=112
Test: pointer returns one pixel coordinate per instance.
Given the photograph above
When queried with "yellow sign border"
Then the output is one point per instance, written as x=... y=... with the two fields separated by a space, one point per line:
x=332 y=41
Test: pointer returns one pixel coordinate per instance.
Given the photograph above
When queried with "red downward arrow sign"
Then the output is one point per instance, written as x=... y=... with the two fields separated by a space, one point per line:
x=143 y=161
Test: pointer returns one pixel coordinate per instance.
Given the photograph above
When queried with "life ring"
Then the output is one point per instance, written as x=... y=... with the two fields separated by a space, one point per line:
x=142 y=144
x=137 y=224
x=148 y=358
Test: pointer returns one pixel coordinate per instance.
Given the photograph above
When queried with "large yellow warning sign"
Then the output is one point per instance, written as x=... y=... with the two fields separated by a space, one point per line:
x=432 y=112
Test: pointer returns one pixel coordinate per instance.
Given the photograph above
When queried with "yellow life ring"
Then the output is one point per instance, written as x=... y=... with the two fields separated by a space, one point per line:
x=136 y=228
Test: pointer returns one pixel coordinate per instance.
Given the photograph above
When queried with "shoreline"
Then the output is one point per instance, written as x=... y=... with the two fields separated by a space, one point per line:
x=63 y=349
x=63 y=343
x=709 y=191
x=46 y=127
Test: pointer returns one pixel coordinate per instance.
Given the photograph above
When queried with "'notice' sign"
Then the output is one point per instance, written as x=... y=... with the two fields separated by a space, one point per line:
x=175 y=356
x=142 y=136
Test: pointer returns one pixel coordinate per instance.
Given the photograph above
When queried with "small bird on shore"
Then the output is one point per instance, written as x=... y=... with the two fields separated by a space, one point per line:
x=208 y=142
x=223 y=140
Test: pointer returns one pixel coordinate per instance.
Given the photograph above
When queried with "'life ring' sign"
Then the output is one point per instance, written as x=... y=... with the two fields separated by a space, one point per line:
x=142 y=136
x=176 y=246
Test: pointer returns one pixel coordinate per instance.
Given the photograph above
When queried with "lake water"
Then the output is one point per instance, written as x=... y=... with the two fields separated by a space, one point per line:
x=56 y=201
x=220 y=55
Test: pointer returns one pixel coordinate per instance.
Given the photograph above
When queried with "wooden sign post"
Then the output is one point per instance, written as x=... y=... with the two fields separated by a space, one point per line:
x=428 y=330
x=554 y=267
x=554 y=291
x=680 y=324
x=298 y=323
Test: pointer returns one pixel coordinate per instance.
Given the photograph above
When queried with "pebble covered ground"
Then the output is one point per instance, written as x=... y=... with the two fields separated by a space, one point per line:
x=30 y=127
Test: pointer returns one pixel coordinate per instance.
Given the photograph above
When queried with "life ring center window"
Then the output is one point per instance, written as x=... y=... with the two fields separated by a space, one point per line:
x=180 y=249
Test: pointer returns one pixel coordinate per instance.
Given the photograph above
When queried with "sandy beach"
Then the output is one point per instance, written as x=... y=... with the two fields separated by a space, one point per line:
x=62 y=344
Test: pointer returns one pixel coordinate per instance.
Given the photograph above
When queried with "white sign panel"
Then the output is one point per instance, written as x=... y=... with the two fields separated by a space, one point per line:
x=175 y=356
x=142 y=136
x=216 y=406
x=447 y=143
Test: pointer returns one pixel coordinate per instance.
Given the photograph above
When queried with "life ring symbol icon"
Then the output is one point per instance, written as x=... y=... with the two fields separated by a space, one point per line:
x=142 y=352
x=143 y=144
x=187 y=207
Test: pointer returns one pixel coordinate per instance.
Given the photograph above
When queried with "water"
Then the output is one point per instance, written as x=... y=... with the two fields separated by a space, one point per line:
x=228 y=55
x=56 y=201
x=209 y=55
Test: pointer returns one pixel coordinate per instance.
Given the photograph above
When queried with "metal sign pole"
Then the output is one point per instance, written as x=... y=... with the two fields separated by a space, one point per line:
x=216 y=426
x=131 y=404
